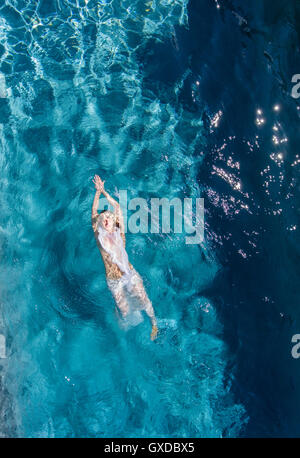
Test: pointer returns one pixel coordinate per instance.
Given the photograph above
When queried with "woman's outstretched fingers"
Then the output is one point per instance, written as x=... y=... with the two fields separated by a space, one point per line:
x=99 y=184
x=96 y=183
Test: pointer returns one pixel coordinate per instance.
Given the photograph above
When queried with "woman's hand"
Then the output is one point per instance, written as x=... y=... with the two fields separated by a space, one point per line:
x=99 y=184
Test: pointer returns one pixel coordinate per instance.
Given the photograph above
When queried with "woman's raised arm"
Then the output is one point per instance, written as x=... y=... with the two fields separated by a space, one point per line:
x=99 y=185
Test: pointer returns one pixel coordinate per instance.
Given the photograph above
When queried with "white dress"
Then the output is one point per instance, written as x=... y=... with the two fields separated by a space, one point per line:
x=130 y=281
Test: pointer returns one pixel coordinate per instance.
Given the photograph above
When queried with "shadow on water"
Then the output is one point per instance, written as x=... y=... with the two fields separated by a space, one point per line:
x=244 y=62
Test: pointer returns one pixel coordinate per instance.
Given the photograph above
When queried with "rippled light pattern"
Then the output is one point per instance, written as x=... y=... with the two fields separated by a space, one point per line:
x=74 y=102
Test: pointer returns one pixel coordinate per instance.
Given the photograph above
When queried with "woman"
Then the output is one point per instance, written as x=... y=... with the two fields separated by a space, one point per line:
x=122 y=279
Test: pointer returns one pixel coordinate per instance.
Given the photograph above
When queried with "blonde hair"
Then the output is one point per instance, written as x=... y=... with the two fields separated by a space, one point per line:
x=117 y=223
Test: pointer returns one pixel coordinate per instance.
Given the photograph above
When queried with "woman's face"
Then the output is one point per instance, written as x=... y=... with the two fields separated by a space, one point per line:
x=107 y=221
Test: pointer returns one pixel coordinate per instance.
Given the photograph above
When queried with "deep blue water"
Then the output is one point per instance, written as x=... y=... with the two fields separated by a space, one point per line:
x=164 y=99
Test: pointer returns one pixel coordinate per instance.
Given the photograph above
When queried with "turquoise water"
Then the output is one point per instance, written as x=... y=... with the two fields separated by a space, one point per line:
x=76 y=101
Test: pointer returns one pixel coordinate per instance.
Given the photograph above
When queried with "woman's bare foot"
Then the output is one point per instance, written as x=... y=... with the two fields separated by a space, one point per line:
x=154 y=333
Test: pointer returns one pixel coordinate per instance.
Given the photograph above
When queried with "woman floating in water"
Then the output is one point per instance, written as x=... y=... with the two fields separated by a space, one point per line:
x=122 y=279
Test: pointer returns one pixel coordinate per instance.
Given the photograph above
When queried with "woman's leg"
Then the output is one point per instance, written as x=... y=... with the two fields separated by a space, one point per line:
x=119 y=295
x=139 y=292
